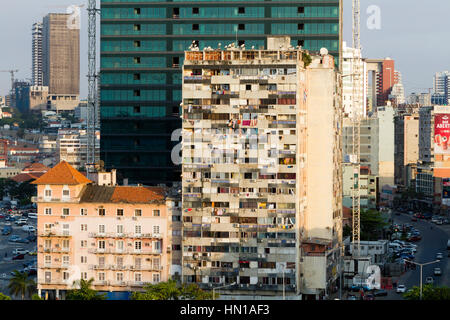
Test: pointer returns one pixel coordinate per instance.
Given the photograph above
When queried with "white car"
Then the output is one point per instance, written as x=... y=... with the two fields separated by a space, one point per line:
x=28 y=228
x=19 y=251
x=439 y=255
x=401 y=288
x=437 y=271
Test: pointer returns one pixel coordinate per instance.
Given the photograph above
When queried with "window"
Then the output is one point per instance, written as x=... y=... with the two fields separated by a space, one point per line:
x=301 y=10
x=48 y=193
x=155 y=229
x=137 y=109
x=101 y=228
x=137 y=229
x=47 y=244
x=119 y=228
x=156 y=277
x=66 y=244
x=120 y=212
x=137 y=93
x=175 y=61
x=195 y=10
x=137 y=277
x=137 y=27
x=137 y=263
x=156 y=213
x=65 y=260
x=137 y=76
x=101 y=244
x=83 y=259
x=84 y=275
x=48 y=276
x=137 y=10
x=157 y=245
x=176 y=12
x=48 y=211
x=301 y=43
x=83 y=212
x=241 y=10
x=101 y=276
x=48 y=260
x=101 y=212
x=137 y=245
x=195 y=26
x=120 y=245
x=66 y=211
x=83 y=227
x=101 y=261
x=301 y=26
x=137 y=44
x=66 y=193
x=137 y=212
x=241 y=26
x=83 y=243
x=137 y=60
x=156 y=263
x=248 y=87
x=119 y=262
x=241 y=42
x=119 y=276
x=65 y=275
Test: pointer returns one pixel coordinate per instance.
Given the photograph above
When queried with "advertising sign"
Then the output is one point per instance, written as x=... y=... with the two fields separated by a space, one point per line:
x=441 y=133
x=446 y=191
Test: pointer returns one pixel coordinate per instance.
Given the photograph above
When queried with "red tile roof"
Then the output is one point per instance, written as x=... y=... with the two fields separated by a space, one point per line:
x=23 y=177
x=36 y=167
x=132 y=194
x=62 y=173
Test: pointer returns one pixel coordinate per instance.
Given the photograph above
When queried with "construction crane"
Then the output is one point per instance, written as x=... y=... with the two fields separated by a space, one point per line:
x=12 y=72
x=92 y=103
x=356 y=125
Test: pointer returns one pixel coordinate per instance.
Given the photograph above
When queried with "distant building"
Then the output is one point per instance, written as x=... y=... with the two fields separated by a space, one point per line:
x=123 y=237
x=368 y=187
x=37 y=72
x=72 y=146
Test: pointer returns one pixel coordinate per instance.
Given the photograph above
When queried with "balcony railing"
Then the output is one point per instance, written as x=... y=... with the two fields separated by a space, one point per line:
x=125 y=251
x=125 y=267
x=54 y=234
x=126 y=235
x=54 y=250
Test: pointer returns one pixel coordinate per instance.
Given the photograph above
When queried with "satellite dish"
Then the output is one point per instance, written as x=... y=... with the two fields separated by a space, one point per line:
x=323 y=51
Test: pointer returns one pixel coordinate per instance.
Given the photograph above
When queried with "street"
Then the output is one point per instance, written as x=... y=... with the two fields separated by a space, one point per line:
x=433 y=241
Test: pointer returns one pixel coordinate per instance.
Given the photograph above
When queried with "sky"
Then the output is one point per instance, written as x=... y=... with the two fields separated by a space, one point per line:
x=412 y=32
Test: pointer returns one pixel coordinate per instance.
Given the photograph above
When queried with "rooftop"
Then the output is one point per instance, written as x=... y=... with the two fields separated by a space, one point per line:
x=122 y=194
x=62 y=173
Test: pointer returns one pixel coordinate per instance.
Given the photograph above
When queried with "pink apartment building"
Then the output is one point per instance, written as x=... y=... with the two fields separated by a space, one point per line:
x=121 y=236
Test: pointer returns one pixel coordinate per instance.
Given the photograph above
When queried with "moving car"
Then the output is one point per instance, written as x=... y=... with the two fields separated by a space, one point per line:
x=19 y=251
x=401 y=288
x=429 y=280
x=437 y=271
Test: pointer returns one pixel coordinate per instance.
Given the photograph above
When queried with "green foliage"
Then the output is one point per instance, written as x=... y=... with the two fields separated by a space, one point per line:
x=372 y=224
x=84 y=292
x=429 y=292
x=170 y=290
x=25 y=120
x=36 y=297
x=306 y=58
x=347 y=231
x=4 y=297
x=21 y=285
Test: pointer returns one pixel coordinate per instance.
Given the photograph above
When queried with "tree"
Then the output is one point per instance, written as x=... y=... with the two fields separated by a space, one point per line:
x=4 y=297
x=36 y=297
x=170 y=290
x=372 y=224
x=429 y=292
x=84 y=292
x=21 y=285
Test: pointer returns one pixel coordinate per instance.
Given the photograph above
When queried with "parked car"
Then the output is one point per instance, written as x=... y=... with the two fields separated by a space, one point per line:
x=439 y=255
x=28 y=228
x=31 y=238
x=22 y=240
x=14 y=238
x=379 y=293
x=19 y=251
x=437 y=271
x=19 y=257
x=439 y=222
x=401 y=288
x=21 y=222
x=429 y=280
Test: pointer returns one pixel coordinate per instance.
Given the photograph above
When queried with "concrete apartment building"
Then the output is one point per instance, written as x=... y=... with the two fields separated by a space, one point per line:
x=72 y=146
x=261 y=200
x=368 y=187
x=121 y=236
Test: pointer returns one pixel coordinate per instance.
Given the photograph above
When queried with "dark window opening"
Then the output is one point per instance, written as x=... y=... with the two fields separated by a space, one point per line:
x=137 y=76
x=137 y=10
x=195 y=26
x=241 y=42
x=241 y=10
x=176 y=12
x=137 y=60
x=175 y=61
x=241 y=26
x=248 y=87
x=195 y=10
x=137 y=109
x=301 y=43
x=301 y=26
x=137 y=27
x=175 y=110
x=137 y=44
x=137 y=93
x=301 y=10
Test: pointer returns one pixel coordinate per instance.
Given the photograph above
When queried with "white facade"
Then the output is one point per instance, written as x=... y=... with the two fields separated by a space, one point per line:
x=72 y=146
x=351 y=56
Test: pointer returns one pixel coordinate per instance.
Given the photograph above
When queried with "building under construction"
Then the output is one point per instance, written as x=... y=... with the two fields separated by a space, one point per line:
x=261 y=171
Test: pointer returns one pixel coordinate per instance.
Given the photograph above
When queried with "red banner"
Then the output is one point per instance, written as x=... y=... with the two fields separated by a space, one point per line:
x=441 y=133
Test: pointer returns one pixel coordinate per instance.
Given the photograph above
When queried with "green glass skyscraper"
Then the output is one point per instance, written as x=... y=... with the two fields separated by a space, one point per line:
x=142 y=44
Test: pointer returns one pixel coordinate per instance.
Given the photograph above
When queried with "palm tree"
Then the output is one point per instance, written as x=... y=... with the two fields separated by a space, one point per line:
x=84 y=292
x=21 y=285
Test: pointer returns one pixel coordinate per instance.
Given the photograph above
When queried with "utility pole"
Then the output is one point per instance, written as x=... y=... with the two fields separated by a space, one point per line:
x=421 y=273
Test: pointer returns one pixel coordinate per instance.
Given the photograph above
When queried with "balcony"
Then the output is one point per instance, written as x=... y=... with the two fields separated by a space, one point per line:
x=126 y=235
x=47 y=234
x=55 y=200
x=54 y=266
x=54 y=250
x=124 y=251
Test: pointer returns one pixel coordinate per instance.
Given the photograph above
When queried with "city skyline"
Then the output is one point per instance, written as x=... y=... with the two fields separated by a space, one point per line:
x=397 y=19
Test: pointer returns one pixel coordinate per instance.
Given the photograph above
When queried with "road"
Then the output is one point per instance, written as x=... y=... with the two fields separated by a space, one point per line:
x=7 y=265
x=433 y=241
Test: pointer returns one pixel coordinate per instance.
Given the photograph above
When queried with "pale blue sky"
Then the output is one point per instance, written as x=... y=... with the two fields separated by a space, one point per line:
x=414 y=33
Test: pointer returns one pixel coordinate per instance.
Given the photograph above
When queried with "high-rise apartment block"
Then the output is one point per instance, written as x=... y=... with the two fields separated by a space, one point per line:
x=262 y=185
x=37 y=74
x=123 y=237
x=142 y=45
x=354 y=66
x=61 y=55
x=72 y=146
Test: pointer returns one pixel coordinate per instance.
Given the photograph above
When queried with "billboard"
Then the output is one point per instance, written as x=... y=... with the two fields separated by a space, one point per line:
x=442 y=133
x=446 y=191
